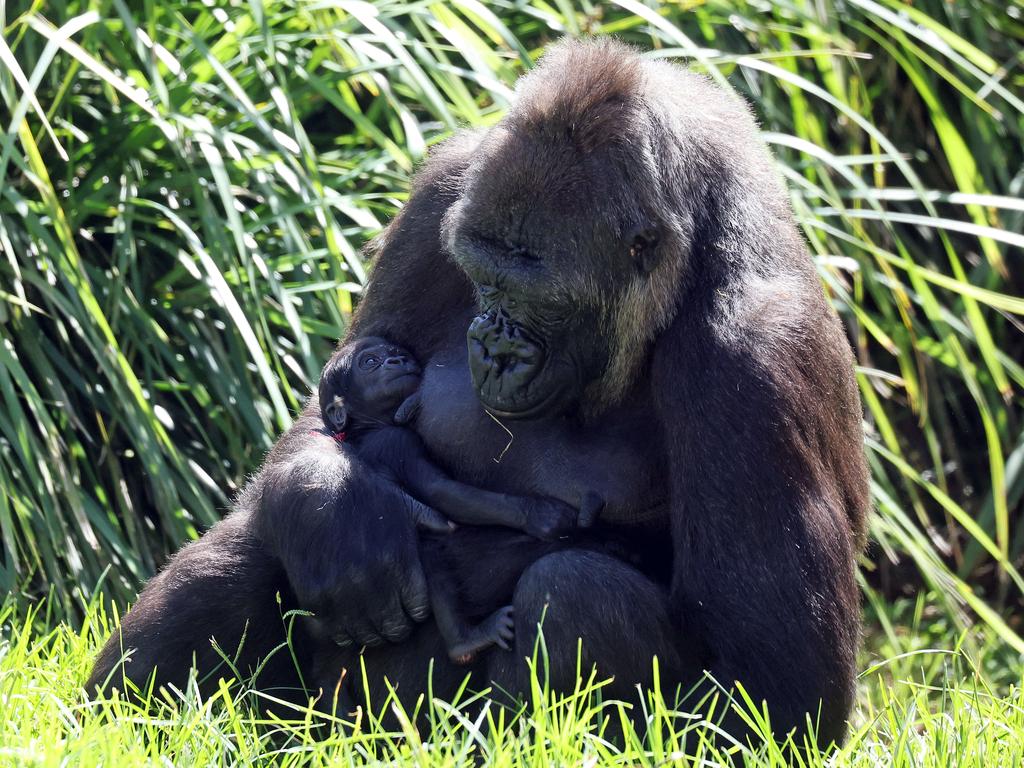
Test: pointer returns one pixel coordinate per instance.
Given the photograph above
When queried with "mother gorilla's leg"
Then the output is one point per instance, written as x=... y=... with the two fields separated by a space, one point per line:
x=223 y=589
x=619 y=614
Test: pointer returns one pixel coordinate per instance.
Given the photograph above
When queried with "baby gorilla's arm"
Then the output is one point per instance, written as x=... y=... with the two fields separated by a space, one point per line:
x=545 y=518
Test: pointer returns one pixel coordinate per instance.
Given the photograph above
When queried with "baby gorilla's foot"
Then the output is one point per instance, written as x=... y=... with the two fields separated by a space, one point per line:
x=497 y=629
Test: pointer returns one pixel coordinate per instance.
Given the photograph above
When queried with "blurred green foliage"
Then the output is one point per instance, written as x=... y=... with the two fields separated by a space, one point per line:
x=185 y=187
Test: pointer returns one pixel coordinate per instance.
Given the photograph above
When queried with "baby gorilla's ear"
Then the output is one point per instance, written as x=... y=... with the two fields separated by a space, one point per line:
x=336 y=415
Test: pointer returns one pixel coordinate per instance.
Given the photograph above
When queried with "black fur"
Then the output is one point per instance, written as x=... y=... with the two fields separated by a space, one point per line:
x=624 y=229
x=362 y=388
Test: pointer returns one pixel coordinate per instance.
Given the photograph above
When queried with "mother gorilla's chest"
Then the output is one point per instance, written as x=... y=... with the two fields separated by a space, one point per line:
x=619 y=457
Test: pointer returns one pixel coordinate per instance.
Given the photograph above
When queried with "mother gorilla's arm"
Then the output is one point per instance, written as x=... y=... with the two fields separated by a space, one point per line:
x=314 y=529
x=345 y=534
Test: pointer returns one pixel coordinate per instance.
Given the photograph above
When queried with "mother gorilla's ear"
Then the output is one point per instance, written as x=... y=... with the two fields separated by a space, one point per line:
x=643 y=247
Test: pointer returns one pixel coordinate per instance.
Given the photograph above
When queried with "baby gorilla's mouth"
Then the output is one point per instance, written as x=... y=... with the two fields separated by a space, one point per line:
x=414 y=374
x=403 y=383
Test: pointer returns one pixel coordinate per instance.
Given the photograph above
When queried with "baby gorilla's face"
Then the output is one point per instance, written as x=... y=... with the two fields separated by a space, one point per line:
x=383 y=376
x=365 y=382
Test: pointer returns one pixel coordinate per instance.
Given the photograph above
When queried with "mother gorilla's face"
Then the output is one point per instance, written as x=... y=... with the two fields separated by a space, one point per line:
x=552 y=236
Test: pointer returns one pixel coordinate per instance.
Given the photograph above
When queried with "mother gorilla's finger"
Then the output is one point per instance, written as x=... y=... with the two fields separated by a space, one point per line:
x=361 y=630
x=393 y=624
x=415 y=596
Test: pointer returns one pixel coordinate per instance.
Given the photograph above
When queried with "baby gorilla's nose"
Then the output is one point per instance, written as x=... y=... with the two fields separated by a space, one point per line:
x=400 y=361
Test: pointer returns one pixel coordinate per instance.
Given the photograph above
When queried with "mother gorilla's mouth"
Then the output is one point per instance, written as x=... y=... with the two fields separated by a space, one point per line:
x=510 y=369
x=545 y=398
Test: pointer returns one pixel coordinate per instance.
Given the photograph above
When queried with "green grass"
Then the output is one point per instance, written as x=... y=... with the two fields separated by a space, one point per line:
x=185 y=187
x=926 y=698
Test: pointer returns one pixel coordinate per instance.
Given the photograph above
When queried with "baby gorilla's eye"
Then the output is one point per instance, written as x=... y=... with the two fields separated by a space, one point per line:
x=366 y=362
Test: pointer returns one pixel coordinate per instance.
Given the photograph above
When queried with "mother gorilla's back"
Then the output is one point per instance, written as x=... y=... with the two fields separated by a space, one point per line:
x=634 y=270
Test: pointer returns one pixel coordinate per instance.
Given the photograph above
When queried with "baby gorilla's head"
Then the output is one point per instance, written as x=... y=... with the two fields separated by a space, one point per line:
x=364 y=382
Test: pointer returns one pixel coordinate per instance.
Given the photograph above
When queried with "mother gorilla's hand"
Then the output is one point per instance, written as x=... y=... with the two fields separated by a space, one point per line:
x=346 y=536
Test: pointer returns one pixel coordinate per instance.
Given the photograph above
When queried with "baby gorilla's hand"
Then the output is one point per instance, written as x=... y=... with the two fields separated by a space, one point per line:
x=549 y=519
x=408 y=410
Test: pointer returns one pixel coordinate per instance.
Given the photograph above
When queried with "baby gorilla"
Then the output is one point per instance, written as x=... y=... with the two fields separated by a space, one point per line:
x=369 y=388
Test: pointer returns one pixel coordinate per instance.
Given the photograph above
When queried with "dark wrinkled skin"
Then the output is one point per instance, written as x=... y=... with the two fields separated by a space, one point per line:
x=613 y=268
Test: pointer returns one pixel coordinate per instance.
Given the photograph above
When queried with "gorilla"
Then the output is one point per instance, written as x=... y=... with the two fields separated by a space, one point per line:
x=368 y=390
x=607 y=284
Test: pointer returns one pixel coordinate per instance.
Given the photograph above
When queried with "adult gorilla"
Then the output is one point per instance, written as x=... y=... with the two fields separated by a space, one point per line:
x=628 y=268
